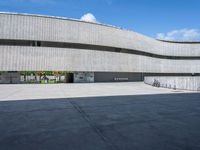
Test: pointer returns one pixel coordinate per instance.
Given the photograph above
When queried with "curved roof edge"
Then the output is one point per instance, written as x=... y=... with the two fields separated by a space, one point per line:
x=63 y=18
x=180 y=42
x=72 y=19
x=98 y=23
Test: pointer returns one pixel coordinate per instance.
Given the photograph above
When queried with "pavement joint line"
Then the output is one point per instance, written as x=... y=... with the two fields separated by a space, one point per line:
x=94 y=127
x=87 y=118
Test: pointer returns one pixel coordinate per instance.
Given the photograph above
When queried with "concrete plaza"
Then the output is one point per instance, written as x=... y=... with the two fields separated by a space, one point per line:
x=45 y=91
x=85 y=117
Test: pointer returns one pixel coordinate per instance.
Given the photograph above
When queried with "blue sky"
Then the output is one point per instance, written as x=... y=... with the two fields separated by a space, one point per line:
x=164 y=19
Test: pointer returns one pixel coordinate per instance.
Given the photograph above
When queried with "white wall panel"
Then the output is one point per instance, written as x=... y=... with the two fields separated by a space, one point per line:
x=32 y=27
x=18 y=58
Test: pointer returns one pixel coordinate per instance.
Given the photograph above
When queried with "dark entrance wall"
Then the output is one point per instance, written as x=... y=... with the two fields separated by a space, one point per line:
x=69 y=78
x=117 y=77
x=10 y=77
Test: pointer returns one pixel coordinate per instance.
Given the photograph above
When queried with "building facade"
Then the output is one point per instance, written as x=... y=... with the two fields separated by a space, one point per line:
x=92 y=52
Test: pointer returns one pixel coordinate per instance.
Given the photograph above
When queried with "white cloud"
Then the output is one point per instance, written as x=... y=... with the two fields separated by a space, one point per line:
x=89 y=18
x=180 y=35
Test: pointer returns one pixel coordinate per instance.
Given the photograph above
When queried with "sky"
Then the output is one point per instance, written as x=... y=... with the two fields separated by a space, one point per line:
x=162 y=19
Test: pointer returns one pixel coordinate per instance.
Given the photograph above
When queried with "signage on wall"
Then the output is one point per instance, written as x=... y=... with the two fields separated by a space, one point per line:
x=120 y=79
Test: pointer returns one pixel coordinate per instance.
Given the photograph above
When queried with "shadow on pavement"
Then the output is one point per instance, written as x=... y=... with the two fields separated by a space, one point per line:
x=141 y=122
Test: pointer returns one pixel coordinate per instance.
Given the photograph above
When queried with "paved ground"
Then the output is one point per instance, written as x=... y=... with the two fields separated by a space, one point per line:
x=150 y=122
x=38 y=91
x=166 y=121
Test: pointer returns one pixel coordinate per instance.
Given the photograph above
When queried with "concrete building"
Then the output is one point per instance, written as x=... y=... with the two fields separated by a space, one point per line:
x=92 y=52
